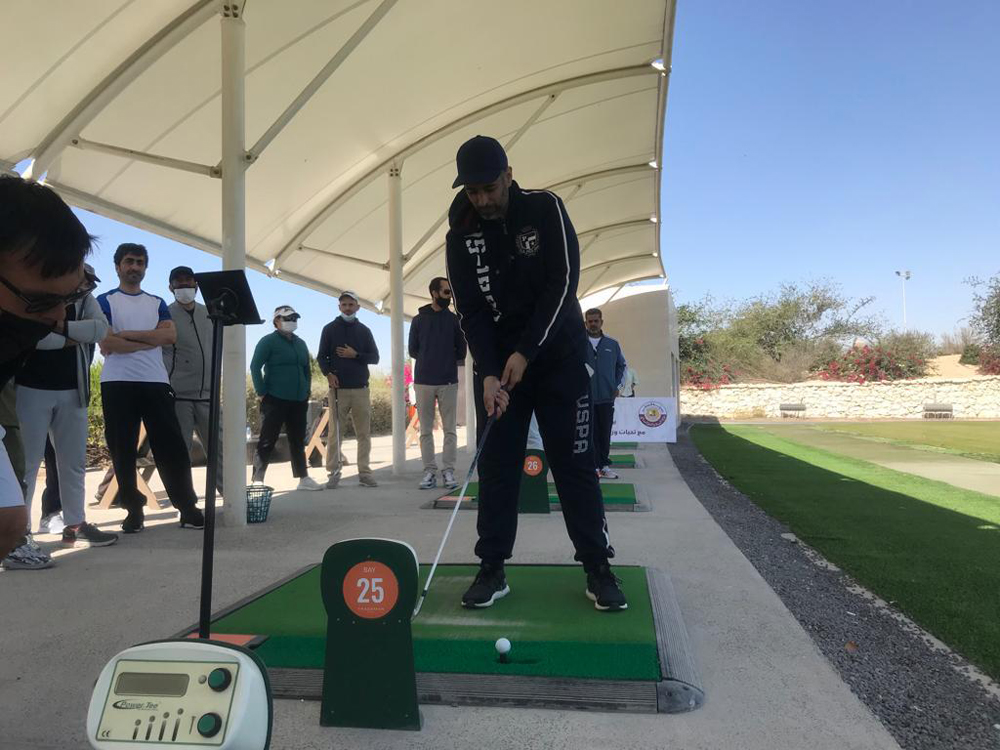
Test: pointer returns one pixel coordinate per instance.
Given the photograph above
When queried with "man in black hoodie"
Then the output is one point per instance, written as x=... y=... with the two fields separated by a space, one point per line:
x=437 y=345
x=346 y=348
x=514 y=265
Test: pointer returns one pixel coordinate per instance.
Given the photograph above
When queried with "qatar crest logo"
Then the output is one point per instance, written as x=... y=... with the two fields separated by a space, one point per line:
x=652 y=414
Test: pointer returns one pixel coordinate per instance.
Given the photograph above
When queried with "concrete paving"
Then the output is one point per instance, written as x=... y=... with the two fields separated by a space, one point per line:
x=767 y=685
x=967 y=473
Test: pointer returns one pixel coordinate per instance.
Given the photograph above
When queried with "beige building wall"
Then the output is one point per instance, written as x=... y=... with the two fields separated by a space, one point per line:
x=645 y=324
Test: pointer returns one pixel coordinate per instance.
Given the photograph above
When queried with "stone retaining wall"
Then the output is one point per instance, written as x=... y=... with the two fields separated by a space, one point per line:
x=971 y=398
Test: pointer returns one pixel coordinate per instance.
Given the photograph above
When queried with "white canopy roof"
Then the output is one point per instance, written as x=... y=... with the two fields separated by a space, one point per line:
x=118 y=101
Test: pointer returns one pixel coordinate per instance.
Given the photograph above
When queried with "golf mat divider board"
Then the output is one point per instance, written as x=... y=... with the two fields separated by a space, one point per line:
x=618 y=496
x=626 y=445
x=680 y=689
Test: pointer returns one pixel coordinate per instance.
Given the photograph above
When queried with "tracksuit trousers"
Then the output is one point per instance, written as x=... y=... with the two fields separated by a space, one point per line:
x=559 y=395
x=126 y=405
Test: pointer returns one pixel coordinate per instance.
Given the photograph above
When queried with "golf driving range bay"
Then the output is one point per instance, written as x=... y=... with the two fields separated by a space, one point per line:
x=566 y=652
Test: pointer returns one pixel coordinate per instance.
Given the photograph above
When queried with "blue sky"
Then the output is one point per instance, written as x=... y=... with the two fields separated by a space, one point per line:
x=804 y=140
x=843 y=140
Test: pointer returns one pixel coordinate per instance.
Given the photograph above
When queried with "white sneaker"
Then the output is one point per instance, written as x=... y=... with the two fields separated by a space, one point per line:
x=51 y=524
x=608 y=473
x=429 y=482
x=448 y=479
x=309 y=485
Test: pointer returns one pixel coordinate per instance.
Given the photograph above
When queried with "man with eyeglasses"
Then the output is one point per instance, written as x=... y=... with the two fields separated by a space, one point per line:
x=437 y=345
x=53 y=394
x=42 y=248
x=135 y=389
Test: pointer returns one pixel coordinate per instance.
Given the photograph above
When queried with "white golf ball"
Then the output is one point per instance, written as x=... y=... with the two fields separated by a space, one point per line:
x=503 y=646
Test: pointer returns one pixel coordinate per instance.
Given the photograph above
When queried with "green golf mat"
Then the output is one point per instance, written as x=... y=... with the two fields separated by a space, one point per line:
x=614 y=494
x=625 y=446
x=554 y=628
x=623 y=461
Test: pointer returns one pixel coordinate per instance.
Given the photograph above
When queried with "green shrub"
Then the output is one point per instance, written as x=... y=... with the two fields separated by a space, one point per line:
x=95 y=416
x=970 y=354
x=910 y=345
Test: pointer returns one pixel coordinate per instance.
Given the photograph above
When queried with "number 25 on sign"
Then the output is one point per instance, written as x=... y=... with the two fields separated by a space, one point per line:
x=370 y=590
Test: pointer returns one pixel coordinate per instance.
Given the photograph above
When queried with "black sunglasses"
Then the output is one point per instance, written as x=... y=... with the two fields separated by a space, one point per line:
x=39 y=303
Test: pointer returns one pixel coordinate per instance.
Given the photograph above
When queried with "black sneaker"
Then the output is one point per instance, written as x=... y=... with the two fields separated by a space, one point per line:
x=87 y=535
x=490 y=585
x=604 y=589
x=134 y=521
x=192 y=517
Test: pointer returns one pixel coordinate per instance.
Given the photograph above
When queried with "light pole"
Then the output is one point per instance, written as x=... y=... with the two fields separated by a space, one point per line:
x=903 y=276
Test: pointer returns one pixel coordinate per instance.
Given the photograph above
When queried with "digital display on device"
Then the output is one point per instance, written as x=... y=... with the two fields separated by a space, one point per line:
x=152 y=684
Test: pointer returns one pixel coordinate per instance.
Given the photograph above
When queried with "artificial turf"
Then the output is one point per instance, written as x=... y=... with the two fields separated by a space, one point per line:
x=620 y=493
x=626 y=445
x=623 y=460
x=554 y=628
x=970 y=439
x=929 y=547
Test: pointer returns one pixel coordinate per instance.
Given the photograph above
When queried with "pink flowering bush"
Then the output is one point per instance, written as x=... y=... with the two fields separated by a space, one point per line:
x=864 y=364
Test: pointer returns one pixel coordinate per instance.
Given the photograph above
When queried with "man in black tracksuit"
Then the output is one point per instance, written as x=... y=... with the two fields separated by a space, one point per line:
x=514 y=264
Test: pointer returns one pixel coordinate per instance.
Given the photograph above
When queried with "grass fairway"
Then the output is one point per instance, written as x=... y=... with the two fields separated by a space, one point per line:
x=931 y=548
x=971 y=439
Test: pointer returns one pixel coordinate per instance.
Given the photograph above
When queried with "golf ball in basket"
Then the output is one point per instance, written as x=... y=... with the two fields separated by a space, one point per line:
x=503 y=646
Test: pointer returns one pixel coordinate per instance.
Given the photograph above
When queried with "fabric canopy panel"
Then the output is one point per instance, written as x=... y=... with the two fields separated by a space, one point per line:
x=120 y=107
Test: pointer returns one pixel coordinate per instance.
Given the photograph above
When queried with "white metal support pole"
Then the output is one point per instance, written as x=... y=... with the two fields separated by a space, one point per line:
x=904 y=306
x=470 y=406
x=396 y=312
x=234 y=164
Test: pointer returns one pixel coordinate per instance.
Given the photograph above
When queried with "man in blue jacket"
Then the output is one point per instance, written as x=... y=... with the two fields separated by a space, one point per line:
x=346 y=348
x=514 y=265
x=437 y=345
x=606 y=360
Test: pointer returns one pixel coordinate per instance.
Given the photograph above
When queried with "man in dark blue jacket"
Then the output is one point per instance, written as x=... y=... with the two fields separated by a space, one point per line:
x=346 y=348
x=437 y=345
x=514 y=265
x=606 y=360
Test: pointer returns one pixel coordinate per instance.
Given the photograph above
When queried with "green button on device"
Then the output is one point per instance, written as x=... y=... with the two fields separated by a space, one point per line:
x=209 y=725
x=219 y=679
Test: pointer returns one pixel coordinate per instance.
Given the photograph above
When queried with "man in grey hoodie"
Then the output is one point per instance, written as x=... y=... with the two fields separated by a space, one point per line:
x=189 y=361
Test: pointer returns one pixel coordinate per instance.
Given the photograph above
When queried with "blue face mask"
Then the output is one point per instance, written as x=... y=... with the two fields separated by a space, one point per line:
x=349 y=318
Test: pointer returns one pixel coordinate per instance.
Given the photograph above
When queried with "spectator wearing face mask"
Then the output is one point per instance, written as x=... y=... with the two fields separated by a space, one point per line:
x=437 y=344
x=281 y=377
x=346 y=348
x=189 y=360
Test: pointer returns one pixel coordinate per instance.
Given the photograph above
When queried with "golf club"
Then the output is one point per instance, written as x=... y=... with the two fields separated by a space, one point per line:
x=458 y=504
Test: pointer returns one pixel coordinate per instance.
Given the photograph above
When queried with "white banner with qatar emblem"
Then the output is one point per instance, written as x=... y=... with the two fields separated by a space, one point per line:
x=645 y=419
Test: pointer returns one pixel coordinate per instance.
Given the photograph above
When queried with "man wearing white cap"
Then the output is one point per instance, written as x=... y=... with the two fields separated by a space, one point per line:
x=346 y=348
x=281 y=377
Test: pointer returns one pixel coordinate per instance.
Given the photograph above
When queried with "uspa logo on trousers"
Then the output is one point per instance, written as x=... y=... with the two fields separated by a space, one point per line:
x=652 y=414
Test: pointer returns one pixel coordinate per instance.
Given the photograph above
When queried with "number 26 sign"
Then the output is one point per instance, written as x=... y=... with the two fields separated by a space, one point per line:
x=370 y=590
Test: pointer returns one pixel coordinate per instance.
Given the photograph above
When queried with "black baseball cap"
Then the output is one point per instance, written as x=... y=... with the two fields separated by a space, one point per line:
x=480 y=160
x=180 y=271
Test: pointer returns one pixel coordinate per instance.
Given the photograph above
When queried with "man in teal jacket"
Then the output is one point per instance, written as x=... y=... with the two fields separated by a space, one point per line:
x=605 y=358
x=281 y=377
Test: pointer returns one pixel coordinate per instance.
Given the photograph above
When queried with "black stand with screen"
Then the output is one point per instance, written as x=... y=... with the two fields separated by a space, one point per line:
x=230 y=302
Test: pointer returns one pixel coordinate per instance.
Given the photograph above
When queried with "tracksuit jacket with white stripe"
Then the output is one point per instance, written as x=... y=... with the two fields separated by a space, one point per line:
x=514 y=282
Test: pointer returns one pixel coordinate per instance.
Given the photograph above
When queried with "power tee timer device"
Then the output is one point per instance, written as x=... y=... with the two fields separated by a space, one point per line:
x=181 y=693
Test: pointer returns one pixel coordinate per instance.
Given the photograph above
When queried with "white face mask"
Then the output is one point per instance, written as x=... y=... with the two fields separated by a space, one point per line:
x=289 y=325
x=349 y=318
x=185 y=295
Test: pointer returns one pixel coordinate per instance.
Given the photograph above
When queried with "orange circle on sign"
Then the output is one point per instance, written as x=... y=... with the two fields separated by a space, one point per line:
x=532 y=466
x=370 y=590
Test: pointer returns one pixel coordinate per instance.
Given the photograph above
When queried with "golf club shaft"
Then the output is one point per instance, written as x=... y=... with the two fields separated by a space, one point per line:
x=458 y=504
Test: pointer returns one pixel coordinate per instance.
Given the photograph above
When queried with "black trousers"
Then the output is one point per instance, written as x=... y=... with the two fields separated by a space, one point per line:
x=126 y=405
x=275 y=413
x=559 y=395
x=604 y=417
